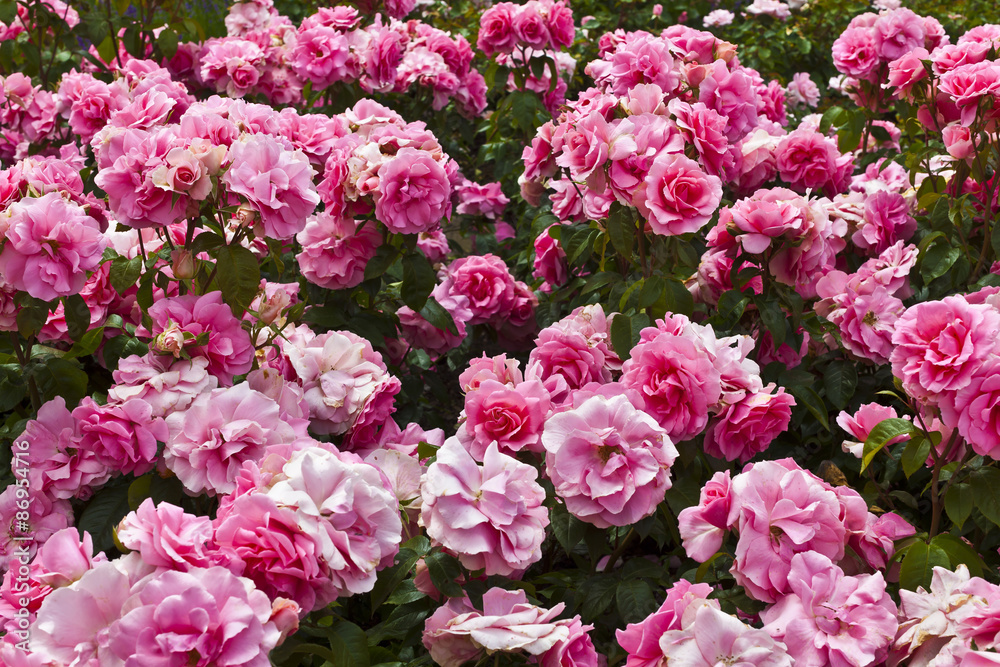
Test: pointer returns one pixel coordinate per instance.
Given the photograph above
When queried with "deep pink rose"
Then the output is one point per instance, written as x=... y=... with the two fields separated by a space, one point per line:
x=855 y=53
x=122 y=436
x=530 y=28
x=485 y=281
x=807 y=160
x=679 y=197
x=414 y=193
x=510 y=416
x=496 y=29
x=747 y=428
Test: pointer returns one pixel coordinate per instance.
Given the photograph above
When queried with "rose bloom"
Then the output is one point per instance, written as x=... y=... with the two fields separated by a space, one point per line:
x=566 y=360
x=210 y=614
x=802 y=91
x=829 y=618
x=278 y=183
x=210 y=440
x=886 y=221
x=165 y=383
x=123 y=436
x=345 y=383
x=642 y=640
x=861 y=423
x=496 y=29
x=335 y=250
x=485 y=281
x=679 y=197
x=414 y=193
x=609 y=461
x=709 y=637
x=867 y=323
x=51 y=245
x=550 y=260
x=855 y=53
x=45 y=517
x=491 y=515
x=781 y=510
x=510 y=416
x=718 y=18
x=767 y=215
x=166 y=536
x=177 y=322
x=323 y=56
x=703 y=526
x=678 y=383
x=939 y=345
x=748 y=427
x=975 y=410
x=807 y=160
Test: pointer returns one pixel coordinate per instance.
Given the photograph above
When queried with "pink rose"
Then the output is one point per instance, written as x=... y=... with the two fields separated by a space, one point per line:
x=898 y=32
x=496 y=29
x=167 y=536
x=940 y=345
x=512 y=417
x=767 y=215
x=808 y=160
x=642 y=640
x=958 y=142
x=709 y=637
x=162 y=382
x=485 y=281
x=679 y=197
x=277 y=183
x=703 y=526
x=975 y=412
x=414 y=193
x=51 y=245
x=335 y=251
x=124 y=436
x=677 y=381
x=861 y=423
x=211 y=613
x=855 y=53
x=560 y=25
x=730 y=91
x=491 y=515
x=529 y=27
x=324 y=56
x=178 y=323
x=609 y=461
x=748 y=427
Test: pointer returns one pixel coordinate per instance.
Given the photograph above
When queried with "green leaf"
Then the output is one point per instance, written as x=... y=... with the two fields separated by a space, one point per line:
x=418 y=280
x=438 y=317
x=167 y=41
x=384 y=257
x=938 y=259
x=349 y=645
x=840 y=381
x=8 y=11
x=986 y=490
x=635 y=600
x=915 y=455
x=139 y=490
x=238 y=276
x=959 y=553
x=621 y=229
x=104 y=511
x=206 y=241
x=774 y=320
x=444 y=570
x=731 y=306
x=390 y=578
x=32 y=316
x=599 y=280
x=87 y=345
x=958 y=503
x=567 y=529
x=879 y=437
x=809 y=398
x=679 y=299
x=919 y=563
x=653 y=288
x=62 y=377
x=77 y=316
x=598 y=591
x=621 y=336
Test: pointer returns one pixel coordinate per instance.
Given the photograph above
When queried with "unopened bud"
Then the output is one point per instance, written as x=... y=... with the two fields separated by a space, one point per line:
x=182 y=264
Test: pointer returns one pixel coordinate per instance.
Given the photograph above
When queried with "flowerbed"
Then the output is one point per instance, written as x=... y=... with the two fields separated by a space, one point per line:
x=348 y=335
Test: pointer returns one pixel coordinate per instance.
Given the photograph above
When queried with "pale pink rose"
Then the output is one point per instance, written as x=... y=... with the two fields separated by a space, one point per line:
x=414 y=193
x=679 y=197
x=508 y=624
x=928 y=617
x=830 y=618
x=496 y=29
x=341 y=17
x=487 y=200
x=491 y=515
x=767 y=215
x=123 y=436
x=57 y=465
x=876 y=544
x=335 y=251
x=802 y=91
x=351 y=509
x=210 y=440
x=718 y=18
x=182 y=320
x=973 y=410
x=221 y=618
x=42 y=519
x=498 y=368
x=636 y=59
x=861 y=423
x=577 y=650
x=345 y=382
x=167 y=536
x=510 y=416
x=907 y=71
x=709 y=637
x=855 y=53
x=940 y=345
x=958 y=142
x=51 y=245
x=485 y=281
x=968 y=85
x=807 y=160
x=161 y=381
x=678 y=382
x=748 y=427
x=642 y=640
x=867 y=323
x=703 y=526
x=781 y=510
x=277 y=183
x=609 y=461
